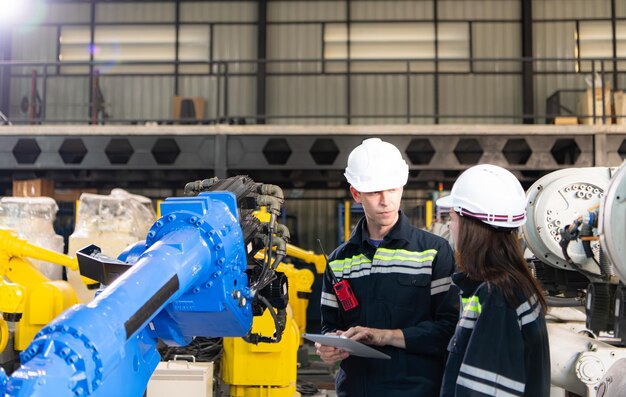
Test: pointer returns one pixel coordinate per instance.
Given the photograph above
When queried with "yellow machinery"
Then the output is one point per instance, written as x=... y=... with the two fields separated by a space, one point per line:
x=241 y=361
x=26 y=295
x=300 y=280
x=265 y=369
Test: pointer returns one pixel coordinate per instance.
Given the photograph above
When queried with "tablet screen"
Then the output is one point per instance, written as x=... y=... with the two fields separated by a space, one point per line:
x=351 y=346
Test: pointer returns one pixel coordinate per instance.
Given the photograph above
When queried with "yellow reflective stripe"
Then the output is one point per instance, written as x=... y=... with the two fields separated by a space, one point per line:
x=472 y=304
x=405 y=252
x=404 y=258
x=344 y=264
x=385 y=254
x=348 y=259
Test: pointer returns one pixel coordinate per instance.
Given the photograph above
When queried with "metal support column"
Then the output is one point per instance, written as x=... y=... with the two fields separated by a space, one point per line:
x=528 y=88
x=5 y=71
x=261 y=67
x=176 y=46
x=436 y=76
x=614 y=41
x=92 y=46
x=599 y=150
x=348 y=66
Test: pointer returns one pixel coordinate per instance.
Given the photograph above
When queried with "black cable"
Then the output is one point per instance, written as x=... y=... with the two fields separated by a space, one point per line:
x=257 y=286
x=307 y=388
x=203 y=349
x=271 y=276
x=572 y=233
x=267 y=281
x=269 y=306
x=267 y=259
x=267 y=255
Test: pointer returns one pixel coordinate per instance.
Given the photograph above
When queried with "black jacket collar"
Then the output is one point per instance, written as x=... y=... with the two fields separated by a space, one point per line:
x=467 y=285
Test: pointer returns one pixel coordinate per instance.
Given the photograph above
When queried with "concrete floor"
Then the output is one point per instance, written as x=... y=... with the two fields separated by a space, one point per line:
x=325 y=393
x=314 y=374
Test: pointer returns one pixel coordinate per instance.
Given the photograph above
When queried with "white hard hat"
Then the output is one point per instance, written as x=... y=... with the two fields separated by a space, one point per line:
x=490 y=194
x=375 y=165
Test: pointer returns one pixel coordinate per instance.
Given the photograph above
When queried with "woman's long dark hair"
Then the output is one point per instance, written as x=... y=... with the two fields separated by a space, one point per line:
x=495 y=256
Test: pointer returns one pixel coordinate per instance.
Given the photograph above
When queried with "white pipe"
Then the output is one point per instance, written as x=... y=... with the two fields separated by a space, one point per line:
x=565 y=347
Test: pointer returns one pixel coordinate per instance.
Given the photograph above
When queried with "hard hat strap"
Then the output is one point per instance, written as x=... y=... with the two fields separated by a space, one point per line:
x=489 y=217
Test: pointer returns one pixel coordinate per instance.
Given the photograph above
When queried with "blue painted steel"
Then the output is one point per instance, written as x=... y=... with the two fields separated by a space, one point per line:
x=3 y=378
x=193 y=259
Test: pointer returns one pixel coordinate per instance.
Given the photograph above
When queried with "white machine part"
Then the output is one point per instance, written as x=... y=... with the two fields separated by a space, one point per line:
x=181 y=378
x=585 y=366
x=580 y=363
x=612 y=223
x=553 y=202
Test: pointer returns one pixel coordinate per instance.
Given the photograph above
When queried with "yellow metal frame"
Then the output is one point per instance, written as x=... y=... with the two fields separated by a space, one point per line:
x=243 y=363
x=4 y=334
x=25 y=291
x=269 y=370
x=266 y=369
x=311 y=257
x=300 y=282
x=429 y=214
x=158 y=208
x=346 y=220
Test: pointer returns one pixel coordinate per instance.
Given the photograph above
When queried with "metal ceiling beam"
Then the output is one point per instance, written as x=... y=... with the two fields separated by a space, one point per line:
x=302 y=156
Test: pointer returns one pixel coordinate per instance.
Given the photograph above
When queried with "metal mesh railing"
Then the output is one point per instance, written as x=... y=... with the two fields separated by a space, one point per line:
x=317 y=91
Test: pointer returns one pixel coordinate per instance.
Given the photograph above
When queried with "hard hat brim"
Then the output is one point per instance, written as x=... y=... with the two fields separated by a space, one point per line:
x=366 y=188
x=445 y=202
x=379 y=184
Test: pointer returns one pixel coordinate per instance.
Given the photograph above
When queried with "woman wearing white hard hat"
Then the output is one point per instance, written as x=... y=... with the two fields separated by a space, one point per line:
x=500 y=346
x=387 y=286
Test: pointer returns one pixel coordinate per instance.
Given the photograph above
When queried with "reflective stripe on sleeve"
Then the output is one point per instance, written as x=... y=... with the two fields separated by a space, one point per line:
x=341 y=265
x=329 y=300
x=528 y=311
x=440 y=285
x=488 y=382
x=482 y=388
x=352 y=267
x=471 y=309
x=472 y=304
x=467 y=323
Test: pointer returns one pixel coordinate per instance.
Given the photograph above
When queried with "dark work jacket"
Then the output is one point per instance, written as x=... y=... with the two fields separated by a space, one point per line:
x=403 y=284
x=497 y=349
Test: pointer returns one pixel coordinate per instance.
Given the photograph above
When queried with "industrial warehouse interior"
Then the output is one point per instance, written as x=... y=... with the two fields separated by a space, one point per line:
x=174 y=175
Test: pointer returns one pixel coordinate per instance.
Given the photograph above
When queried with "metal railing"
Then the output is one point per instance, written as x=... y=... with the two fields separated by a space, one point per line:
x=37 y=87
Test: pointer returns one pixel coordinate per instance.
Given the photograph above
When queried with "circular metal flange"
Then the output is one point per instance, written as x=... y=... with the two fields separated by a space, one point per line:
x=555 y=201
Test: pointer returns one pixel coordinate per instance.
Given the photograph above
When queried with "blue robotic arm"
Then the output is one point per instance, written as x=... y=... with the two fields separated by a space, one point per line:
x=189 y=278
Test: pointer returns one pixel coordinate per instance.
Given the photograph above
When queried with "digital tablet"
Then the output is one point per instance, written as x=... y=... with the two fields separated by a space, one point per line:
x=351 y=346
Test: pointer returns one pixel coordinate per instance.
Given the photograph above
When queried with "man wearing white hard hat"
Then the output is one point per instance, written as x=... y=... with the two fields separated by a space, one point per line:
x=500 y=345
x=388 y=286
